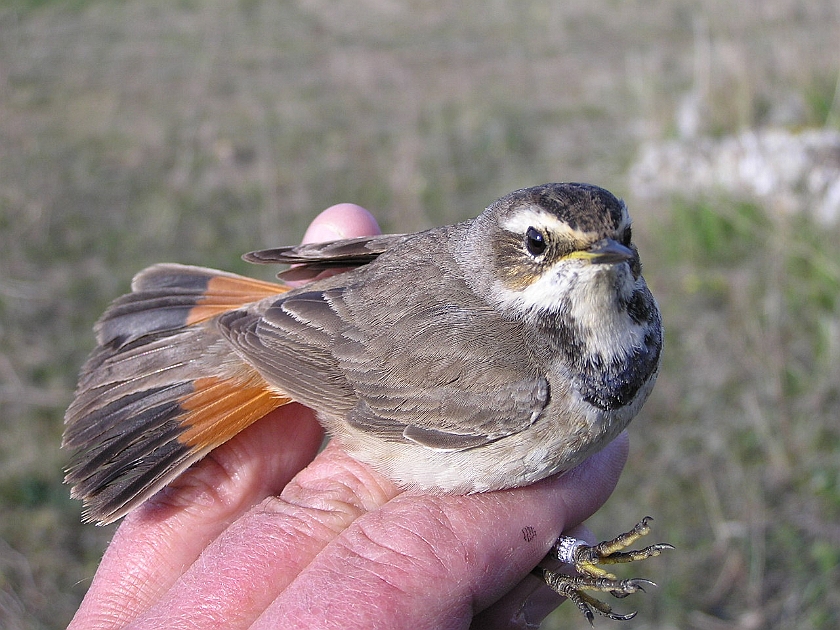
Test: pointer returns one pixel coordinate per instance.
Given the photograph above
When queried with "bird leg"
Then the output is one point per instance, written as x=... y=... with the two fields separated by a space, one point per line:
x=592 y=577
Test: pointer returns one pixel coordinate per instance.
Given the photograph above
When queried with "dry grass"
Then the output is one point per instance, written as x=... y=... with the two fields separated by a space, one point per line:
x=193 y=131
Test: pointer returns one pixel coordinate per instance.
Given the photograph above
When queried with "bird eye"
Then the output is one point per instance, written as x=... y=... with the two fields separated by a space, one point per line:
x=535 y=241
x=627 y=237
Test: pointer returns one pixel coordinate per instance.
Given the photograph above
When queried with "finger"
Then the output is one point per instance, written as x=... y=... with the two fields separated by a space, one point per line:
x=344 y=220
x=525 y=606
x=431 y=561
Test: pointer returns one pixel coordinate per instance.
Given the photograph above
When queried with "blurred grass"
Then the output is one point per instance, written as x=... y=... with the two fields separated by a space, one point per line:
x=132 y=133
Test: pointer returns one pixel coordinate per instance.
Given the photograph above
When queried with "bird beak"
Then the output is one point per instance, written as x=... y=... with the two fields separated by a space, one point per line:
x=606 y=251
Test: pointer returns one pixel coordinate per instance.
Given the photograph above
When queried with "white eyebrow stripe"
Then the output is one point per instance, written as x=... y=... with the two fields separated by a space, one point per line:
x=532 y=216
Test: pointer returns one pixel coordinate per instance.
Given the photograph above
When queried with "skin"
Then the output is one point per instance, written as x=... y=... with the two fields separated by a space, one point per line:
x=265 y=532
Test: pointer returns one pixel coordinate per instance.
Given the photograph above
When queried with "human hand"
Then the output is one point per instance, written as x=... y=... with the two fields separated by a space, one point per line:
x=252 y=537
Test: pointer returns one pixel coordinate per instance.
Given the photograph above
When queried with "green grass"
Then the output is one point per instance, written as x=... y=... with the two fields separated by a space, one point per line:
x=132 y=133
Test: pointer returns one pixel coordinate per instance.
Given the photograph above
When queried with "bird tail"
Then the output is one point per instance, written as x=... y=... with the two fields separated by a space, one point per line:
x=162 y=388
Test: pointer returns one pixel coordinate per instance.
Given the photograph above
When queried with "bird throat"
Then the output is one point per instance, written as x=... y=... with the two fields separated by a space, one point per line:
x=607 y=374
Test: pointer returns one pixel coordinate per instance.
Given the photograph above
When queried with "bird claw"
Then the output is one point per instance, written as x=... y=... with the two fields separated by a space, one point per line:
x=591 y=577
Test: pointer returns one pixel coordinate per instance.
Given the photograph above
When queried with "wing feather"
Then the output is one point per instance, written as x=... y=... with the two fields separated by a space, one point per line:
x=313 y=258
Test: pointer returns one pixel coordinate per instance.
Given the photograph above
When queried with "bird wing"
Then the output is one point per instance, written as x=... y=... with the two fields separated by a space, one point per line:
x=447 y=374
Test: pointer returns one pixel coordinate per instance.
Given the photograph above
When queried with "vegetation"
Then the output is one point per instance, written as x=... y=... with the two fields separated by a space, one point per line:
x=132 y=133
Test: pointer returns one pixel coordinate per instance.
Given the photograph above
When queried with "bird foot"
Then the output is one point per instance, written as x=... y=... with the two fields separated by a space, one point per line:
x=592 y=577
